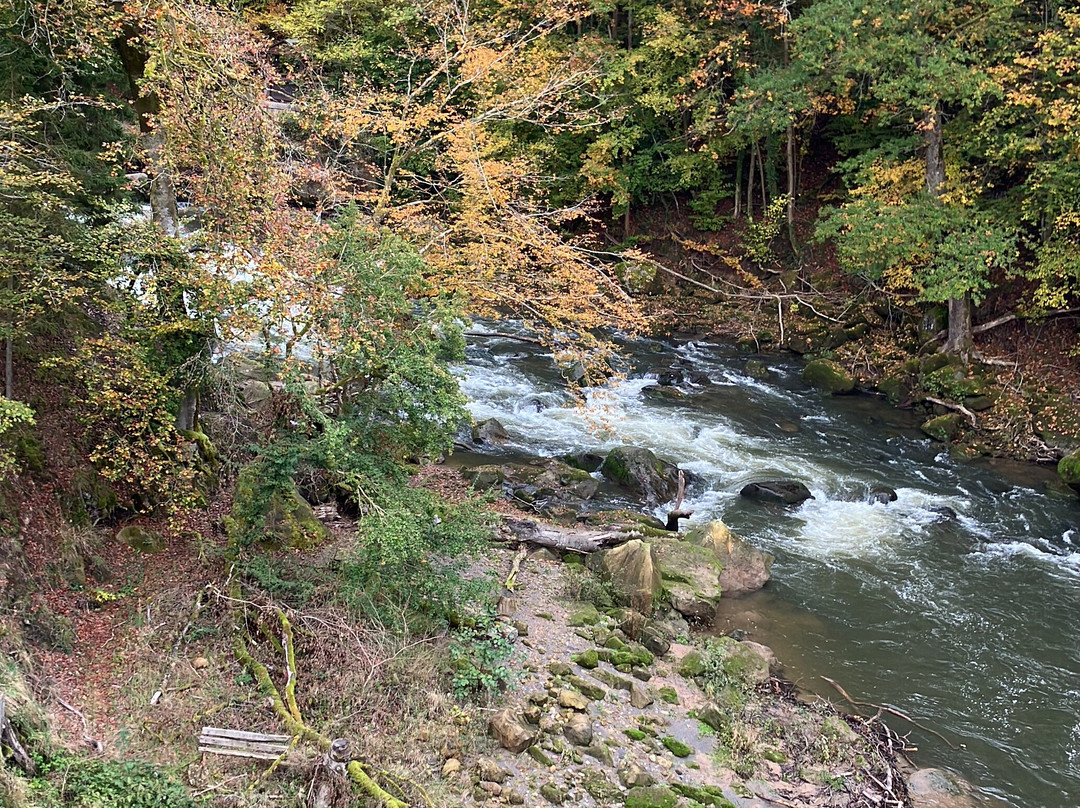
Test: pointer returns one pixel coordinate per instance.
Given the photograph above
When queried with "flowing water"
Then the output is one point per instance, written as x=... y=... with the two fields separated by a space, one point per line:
x=966 y=624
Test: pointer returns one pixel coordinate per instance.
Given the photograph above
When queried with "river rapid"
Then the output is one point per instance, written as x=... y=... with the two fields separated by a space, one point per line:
x=965 y=624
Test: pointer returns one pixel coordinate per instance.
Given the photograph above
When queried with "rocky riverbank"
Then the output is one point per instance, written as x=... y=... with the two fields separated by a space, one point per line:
x=612 y=707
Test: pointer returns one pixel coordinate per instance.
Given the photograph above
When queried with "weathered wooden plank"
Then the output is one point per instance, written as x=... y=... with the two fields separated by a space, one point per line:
x=244 y=753
x=233 y=743
x=221 y=732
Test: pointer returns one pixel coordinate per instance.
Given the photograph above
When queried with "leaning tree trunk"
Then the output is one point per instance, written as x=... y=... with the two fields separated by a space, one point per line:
x=960 y=340
x=163 y=205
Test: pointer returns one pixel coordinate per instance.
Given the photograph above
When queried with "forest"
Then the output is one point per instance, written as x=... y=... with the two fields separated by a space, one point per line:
x=241 y=246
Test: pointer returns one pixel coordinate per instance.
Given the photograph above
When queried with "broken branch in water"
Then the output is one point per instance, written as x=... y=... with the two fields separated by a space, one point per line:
x=882 y=709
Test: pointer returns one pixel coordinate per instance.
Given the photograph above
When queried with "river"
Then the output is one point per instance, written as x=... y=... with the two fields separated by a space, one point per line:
x=965 y=624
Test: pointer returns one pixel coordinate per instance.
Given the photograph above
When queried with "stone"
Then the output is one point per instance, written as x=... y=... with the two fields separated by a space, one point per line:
x=632 y=572
x=559 y=669
x=587 y=688
x=537 y=754
x=676 y=747
x=200 y=663
x=489 y=770
x=631 y=775
x=141 y=539
x=484 y=478
x=669 y=694
x=651 y=797
x=944 y=427
x=642 y=473
x=552 y=793
x=786 y=492
x=600 y=752
x=881 y=495
x=1069 y=470
x=691 y=665
x=579 y=730
x=515 y=797
x=274 y=516
x=744 y=567
x=665 y=377
x=587 y=659
x=640 y=695
x=612 y=680
x=584 y=614
x=837 y=729
x=937 y=788
x=600 y=788
x=490 y=431
x=572 y=700
x=827 y=375
x=511 y=732
x=585 y=461
x=691 y=577
x=741 y=663
x=765 y=652
x=712 y=716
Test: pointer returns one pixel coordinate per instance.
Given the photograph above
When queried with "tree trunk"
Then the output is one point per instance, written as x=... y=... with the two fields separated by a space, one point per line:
x=750 y=187
x=9 y=381
x=738 y=185
x=959 y=340
x=791 y=189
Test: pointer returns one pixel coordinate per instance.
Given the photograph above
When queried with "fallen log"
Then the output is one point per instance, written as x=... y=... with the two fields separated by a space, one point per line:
x=568 y=539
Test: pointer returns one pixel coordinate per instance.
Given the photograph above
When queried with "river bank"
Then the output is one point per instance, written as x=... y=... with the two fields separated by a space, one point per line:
x=1015 y=399
x=913 y=608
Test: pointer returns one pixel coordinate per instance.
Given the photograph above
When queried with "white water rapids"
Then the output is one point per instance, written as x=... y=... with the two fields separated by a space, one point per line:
x=967 y=623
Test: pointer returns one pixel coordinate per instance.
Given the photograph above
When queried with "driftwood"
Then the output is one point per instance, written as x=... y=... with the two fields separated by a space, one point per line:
x=678 y=512
x=568 y=539
x=883 y=709
x=502 y=335
x=951 y=406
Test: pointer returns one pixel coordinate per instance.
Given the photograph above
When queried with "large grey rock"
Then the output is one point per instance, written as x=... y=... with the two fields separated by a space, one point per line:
x=642 y=473
x=633 y=573
x=490 y=431
x=745 y=568
x=511 y=732
x=937 y=788
x=786 y=492
x=691 y=577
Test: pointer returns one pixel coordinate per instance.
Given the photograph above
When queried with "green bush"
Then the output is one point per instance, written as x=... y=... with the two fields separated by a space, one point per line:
x=479 y=651
x=98 y=783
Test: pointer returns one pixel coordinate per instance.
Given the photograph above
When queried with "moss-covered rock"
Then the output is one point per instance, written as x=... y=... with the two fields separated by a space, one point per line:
x=552 y=793
x=642 y=473
x=141 y=539
x=944 y=427
x=1069 y=470
x=703 y=795
x=269 y=514
x=677 y=747
x=598 y=785
x=691 y=577
x=651 y=797
x=587 y=659
x=827 y=375
x=633 y=573
x=584 y=614
x=669 y=694
x=693 y=664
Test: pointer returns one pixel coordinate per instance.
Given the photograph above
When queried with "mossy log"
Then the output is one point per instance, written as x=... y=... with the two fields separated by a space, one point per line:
x=288 y=712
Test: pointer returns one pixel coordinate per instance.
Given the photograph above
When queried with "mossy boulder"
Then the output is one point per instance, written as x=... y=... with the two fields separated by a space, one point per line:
x=944 y=427
x=827 y=375
x=744 y=568
x=691 y=577
x=740 y=663
x=677 y=747
x=484 y=478
x=272 y=515
x=642 y=473
x=784 y=492
x=633 y=573
x=1058 y=424
x=141 y=539
x=583 y=614
x=1069 y=470
x=693 y=664
x=651 y=797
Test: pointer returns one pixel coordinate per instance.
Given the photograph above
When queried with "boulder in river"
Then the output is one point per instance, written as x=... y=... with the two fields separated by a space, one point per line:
x=937 y=788
x=1069 y=470
x=490 y=431
x=827 y=375
x=633 y=572
x=745 y=568
x=786 y=492
x=881 y=495
x=643 y=473
x=665 y=377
